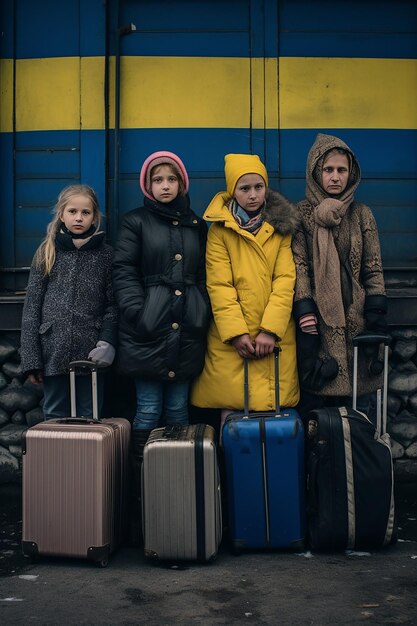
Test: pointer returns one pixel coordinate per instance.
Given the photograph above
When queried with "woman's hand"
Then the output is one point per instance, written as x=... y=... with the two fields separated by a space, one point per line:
x=244 y=344
x=264 y=345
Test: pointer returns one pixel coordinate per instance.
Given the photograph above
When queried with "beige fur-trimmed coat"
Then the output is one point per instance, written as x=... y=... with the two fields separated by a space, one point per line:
x=356 y=240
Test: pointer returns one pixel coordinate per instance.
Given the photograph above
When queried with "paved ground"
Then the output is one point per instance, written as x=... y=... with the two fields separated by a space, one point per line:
x=273 y=588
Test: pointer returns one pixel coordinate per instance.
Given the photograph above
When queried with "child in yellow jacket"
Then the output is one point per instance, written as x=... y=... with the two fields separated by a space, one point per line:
x=250 y=280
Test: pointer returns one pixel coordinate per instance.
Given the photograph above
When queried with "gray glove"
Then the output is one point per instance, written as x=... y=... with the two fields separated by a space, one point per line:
x=103 y=354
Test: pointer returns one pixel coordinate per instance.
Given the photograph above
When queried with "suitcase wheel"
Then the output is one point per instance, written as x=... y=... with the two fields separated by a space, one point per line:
x=99 y=555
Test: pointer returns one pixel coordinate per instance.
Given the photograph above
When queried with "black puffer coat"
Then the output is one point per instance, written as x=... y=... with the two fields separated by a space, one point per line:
x=159 y=285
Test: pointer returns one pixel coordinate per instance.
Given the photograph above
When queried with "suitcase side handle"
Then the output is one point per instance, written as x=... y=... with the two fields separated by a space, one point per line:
x=173 y=431
x=89 y=365
x=246 y=415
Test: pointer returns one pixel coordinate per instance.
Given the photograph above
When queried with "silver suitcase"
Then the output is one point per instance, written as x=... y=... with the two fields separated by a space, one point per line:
x=181 y=503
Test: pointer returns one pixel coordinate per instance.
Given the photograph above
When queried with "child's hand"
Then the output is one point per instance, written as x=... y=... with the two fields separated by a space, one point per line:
x=36 y=377
x=103 y=354
x=264 y=345
x=244 y=345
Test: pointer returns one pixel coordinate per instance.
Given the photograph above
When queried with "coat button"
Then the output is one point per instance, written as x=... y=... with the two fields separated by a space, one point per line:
x=178 y=292
x=178 y=257
x=171 y=374
x=175 y=325
x=175 y=222
x=195 y=221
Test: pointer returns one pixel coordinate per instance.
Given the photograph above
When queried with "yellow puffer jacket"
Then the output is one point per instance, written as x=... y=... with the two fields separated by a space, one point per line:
x=250 y=280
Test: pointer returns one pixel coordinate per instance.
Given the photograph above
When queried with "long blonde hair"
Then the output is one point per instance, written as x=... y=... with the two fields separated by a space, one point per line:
x=45 y=254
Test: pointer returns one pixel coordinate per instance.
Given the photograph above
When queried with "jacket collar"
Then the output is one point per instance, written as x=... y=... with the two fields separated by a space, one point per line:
x=178 y=209
x=279 y=212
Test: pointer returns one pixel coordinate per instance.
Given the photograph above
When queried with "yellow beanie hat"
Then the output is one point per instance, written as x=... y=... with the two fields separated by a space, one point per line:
x=237 y=165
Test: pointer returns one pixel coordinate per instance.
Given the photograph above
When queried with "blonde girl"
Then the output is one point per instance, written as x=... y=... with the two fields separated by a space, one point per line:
x=69 y=312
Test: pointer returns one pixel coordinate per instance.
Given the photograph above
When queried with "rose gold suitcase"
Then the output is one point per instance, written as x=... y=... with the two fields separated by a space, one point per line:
x=75 y=474
x=181 y=500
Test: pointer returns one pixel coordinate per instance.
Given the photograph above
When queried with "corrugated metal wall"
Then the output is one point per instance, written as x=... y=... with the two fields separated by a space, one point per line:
x=203 y=79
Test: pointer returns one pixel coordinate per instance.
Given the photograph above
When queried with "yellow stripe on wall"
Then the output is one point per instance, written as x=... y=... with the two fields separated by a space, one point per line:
x=185 y=92
x=92 y=93
x=60 y=93
x=47 y=94
x=6 y=95
x=193 y=92
x=348 y=93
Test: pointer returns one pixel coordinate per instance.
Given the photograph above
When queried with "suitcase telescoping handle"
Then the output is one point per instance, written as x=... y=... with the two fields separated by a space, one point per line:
x=92 y=367
x=376 y=339
x=246 y=415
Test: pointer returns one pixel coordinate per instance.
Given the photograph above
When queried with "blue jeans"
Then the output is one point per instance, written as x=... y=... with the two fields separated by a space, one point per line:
x=157 y=398
x=57 y=398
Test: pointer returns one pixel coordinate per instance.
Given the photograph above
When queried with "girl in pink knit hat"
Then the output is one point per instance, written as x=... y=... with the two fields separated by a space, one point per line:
x=160 y=287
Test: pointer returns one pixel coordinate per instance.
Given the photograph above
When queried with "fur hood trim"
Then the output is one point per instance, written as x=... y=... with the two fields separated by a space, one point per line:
x=280 y=213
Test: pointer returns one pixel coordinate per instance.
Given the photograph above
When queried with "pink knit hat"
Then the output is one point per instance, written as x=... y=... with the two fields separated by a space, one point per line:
x=159 y=158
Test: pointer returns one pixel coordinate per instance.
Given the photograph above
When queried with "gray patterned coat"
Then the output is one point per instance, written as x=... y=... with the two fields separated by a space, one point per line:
x=67 y=312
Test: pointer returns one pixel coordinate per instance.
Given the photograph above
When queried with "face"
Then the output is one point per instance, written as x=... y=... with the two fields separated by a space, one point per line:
x=335 y=174
x=164 y=184
x=78 y=214
x=250 y=192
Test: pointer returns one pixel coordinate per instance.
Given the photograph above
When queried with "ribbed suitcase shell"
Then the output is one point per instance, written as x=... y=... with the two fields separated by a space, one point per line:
x=74 y=487
x=181 y=494
x=264 y=458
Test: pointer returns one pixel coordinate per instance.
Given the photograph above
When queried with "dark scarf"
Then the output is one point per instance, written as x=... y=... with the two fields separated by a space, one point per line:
x=66 y=240
x=180 y=207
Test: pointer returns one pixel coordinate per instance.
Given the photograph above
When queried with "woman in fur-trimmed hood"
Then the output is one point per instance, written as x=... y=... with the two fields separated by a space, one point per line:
x=340 y=286
x=250 y=280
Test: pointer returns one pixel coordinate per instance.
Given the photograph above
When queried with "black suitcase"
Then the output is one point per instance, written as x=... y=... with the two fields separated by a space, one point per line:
x=350 y=472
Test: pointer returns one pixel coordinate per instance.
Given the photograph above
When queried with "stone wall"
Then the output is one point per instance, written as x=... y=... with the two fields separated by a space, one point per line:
x=21 y=404
x=20 y=407
x=402 y=400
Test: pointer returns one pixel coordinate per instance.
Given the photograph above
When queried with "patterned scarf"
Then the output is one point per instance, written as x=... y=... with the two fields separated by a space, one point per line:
x=245 y=221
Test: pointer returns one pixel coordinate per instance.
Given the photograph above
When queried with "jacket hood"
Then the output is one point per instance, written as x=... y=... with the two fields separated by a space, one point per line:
x=279 y=212
x=322 y=145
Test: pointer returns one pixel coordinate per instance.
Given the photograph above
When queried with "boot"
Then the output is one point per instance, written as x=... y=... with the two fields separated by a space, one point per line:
x=138 y=441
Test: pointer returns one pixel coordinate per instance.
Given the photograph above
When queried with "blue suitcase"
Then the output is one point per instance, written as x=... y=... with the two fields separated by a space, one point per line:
x=264 y=462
